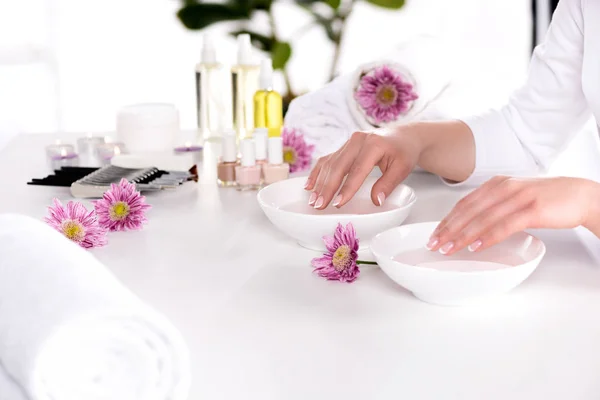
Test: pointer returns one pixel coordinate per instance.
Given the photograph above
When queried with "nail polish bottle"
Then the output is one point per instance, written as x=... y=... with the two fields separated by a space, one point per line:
x=260 y=136
x=276 y=169
x=228 y=161
x=247 y=175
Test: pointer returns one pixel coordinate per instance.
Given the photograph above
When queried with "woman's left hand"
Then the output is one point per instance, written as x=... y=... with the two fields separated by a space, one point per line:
x=504 y=205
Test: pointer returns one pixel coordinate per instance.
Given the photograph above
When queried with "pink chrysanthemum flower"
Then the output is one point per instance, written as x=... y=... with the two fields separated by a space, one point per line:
x=76 y=223
x=340 y=261
x=384 y=95
x=122 y=207
x=296 y=152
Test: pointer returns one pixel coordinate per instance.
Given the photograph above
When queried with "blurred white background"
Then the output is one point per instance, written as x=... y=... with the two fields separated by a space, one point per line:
x=68 y=65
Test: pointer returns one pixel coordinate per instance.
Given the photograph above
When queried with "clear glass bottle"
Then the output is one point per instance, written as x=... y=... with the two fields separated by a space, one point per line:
x=275 y=170
x=248 y=174
x=208 y=89
x=244 y=83
x=268 y=105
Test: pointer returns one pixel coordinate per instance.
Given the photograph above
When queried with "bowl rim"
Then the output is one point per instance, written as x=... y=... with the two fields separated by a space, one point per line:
x=535 y=260
x=264 y=204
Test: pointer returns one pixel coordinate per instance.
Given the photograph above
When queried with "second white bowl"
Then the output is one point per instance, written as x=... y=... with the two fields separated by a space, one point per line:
x=286 y=205
x=462 y=278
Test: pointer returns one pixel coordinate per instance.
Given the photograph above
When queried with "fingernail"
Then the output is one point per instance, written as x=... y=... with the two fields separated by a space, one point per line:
x=432 y=243
x=445 y=249
x=475 y=245
x=319 y=202
x=337 y=200
x=306 y=184
x=381 y=198
x=312 y=198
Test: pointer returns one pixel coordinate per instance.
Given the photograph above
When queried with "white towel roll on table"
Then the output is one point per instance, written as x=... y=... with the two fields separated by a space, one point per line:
x=70 y=330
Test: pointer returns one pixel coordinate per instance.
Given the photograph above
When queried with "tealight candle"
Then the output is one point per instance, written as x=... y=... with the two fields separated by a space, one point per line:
x=188 y=148
x=65 y=158
x=107 y=151
x=87 y=147
x=57 y=147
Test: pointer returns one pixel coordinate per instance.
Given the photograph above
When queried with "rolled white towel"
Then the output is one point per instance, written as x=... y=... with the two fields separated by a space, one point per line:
x=69 y=330
x=328 y=116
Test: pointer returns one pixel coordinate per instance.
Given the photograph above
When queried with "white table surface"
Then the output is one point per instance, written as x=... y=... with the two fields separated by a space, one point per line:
x=260 y=325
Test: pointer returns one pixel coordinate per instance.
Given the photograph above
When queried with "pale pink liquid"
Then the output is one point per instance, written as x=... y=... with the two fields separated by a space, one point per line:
x=355 y=206
x=488 y=260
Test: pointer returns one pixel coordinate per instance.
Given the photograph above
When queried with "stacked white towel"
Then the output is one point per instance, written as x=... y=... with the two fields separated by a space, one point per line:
x=70 y=331
x=328 y=116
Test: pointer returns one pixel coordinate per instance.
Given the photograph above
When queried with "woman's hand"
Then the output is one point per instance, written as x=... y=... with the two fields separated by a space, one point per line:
x=395 y=154
x=504 y=206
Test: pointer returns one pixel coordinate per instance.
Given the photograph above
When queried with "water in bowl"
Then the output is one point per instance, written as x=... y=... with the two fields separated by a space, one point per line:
x=463 y=261
x=356 y=206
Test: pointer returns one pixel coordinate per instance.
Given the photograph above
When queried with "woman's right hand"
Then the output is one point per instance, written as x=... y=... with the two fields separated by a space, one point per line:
x=395 y=153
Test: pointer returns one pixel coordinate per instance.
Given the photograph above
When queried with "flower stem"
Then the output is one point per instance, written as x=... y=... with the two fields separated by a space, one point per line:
x=358 y=262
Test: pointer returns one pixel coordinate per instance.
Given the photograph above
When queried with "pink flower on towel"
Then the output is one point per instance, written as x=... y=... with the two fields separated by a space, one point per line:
x=77 y=224
x=122 y=207
x=384 y=95
x=340 y=261
x=296 y=152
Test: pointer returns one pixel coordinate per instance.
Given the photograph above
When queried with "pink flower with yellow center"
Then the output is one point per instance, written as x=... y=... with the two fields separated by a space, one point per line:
x=340 y=261
x=384 y=95
x=76 y=223
x=122 y=207
x=296 y=152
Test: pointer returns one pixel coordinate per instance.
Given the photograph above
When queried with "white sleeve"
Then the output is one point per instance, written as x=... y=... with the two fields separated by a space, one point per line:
x=525 y=136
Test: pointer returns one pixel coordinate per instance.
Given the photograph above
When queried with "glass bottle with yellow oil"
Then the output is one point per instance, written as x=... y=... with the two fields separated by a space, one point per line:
x=268 y=107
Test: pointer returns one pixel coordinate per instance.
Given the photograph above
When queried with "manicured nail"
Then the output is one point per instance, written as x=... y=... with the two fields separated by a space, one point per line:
x=445 y=249
x=381 y=198
x=319 y=202
x=337 y=200
x=432 y=243
x=312 y=199
x=475 y=245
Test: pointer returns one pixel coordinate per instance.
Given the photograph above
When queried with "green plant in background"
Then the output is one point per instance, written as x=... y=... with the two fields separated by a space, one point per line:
x=330 y=15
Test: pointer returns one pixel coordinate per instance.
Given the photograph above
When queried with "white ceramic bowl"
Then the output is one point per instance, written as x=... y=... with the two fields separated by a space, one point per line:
x=462 y=278
x=286 y=204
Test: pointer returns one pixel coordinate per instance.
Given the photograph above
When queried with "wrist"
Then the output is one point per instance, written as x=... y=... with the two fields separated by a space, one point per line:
x=592 y=193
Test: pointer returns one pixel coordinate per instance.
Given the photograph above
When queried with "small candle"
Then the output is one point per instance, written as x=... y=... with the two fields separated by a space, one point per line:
x=188 y=148
x=107 y=151
x=56 y=148
x=87 y=149
x=64 y=158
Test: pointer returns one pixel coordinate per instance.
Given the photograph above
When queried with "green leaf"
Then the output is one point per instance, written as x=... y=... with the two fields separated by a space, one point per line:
x=390 y=4
x=259 y=41
x=199 y=16
x=335 y=4
x=281 y=53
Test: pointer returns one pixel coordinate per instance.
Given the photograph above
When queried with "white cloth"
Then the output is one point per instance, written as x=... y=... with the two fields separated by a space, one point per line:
x=70 y=331
x=561 y=93
x=328 y=116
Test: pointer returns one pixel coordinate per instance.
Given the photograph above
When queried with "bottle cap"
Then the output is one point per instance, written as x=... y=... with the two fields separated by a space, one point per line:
x=275 y=150
x=260 y=136
x=244 y=51
x=266 y=74
x=209 y=54
x=229 y=153
x=248 y=153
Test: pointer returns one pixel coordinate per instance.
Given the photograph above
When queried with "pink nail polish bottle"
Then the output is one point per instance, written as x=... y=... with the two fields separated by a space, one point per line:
x=248 y=174
x=276 y=169
x=228 y=161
